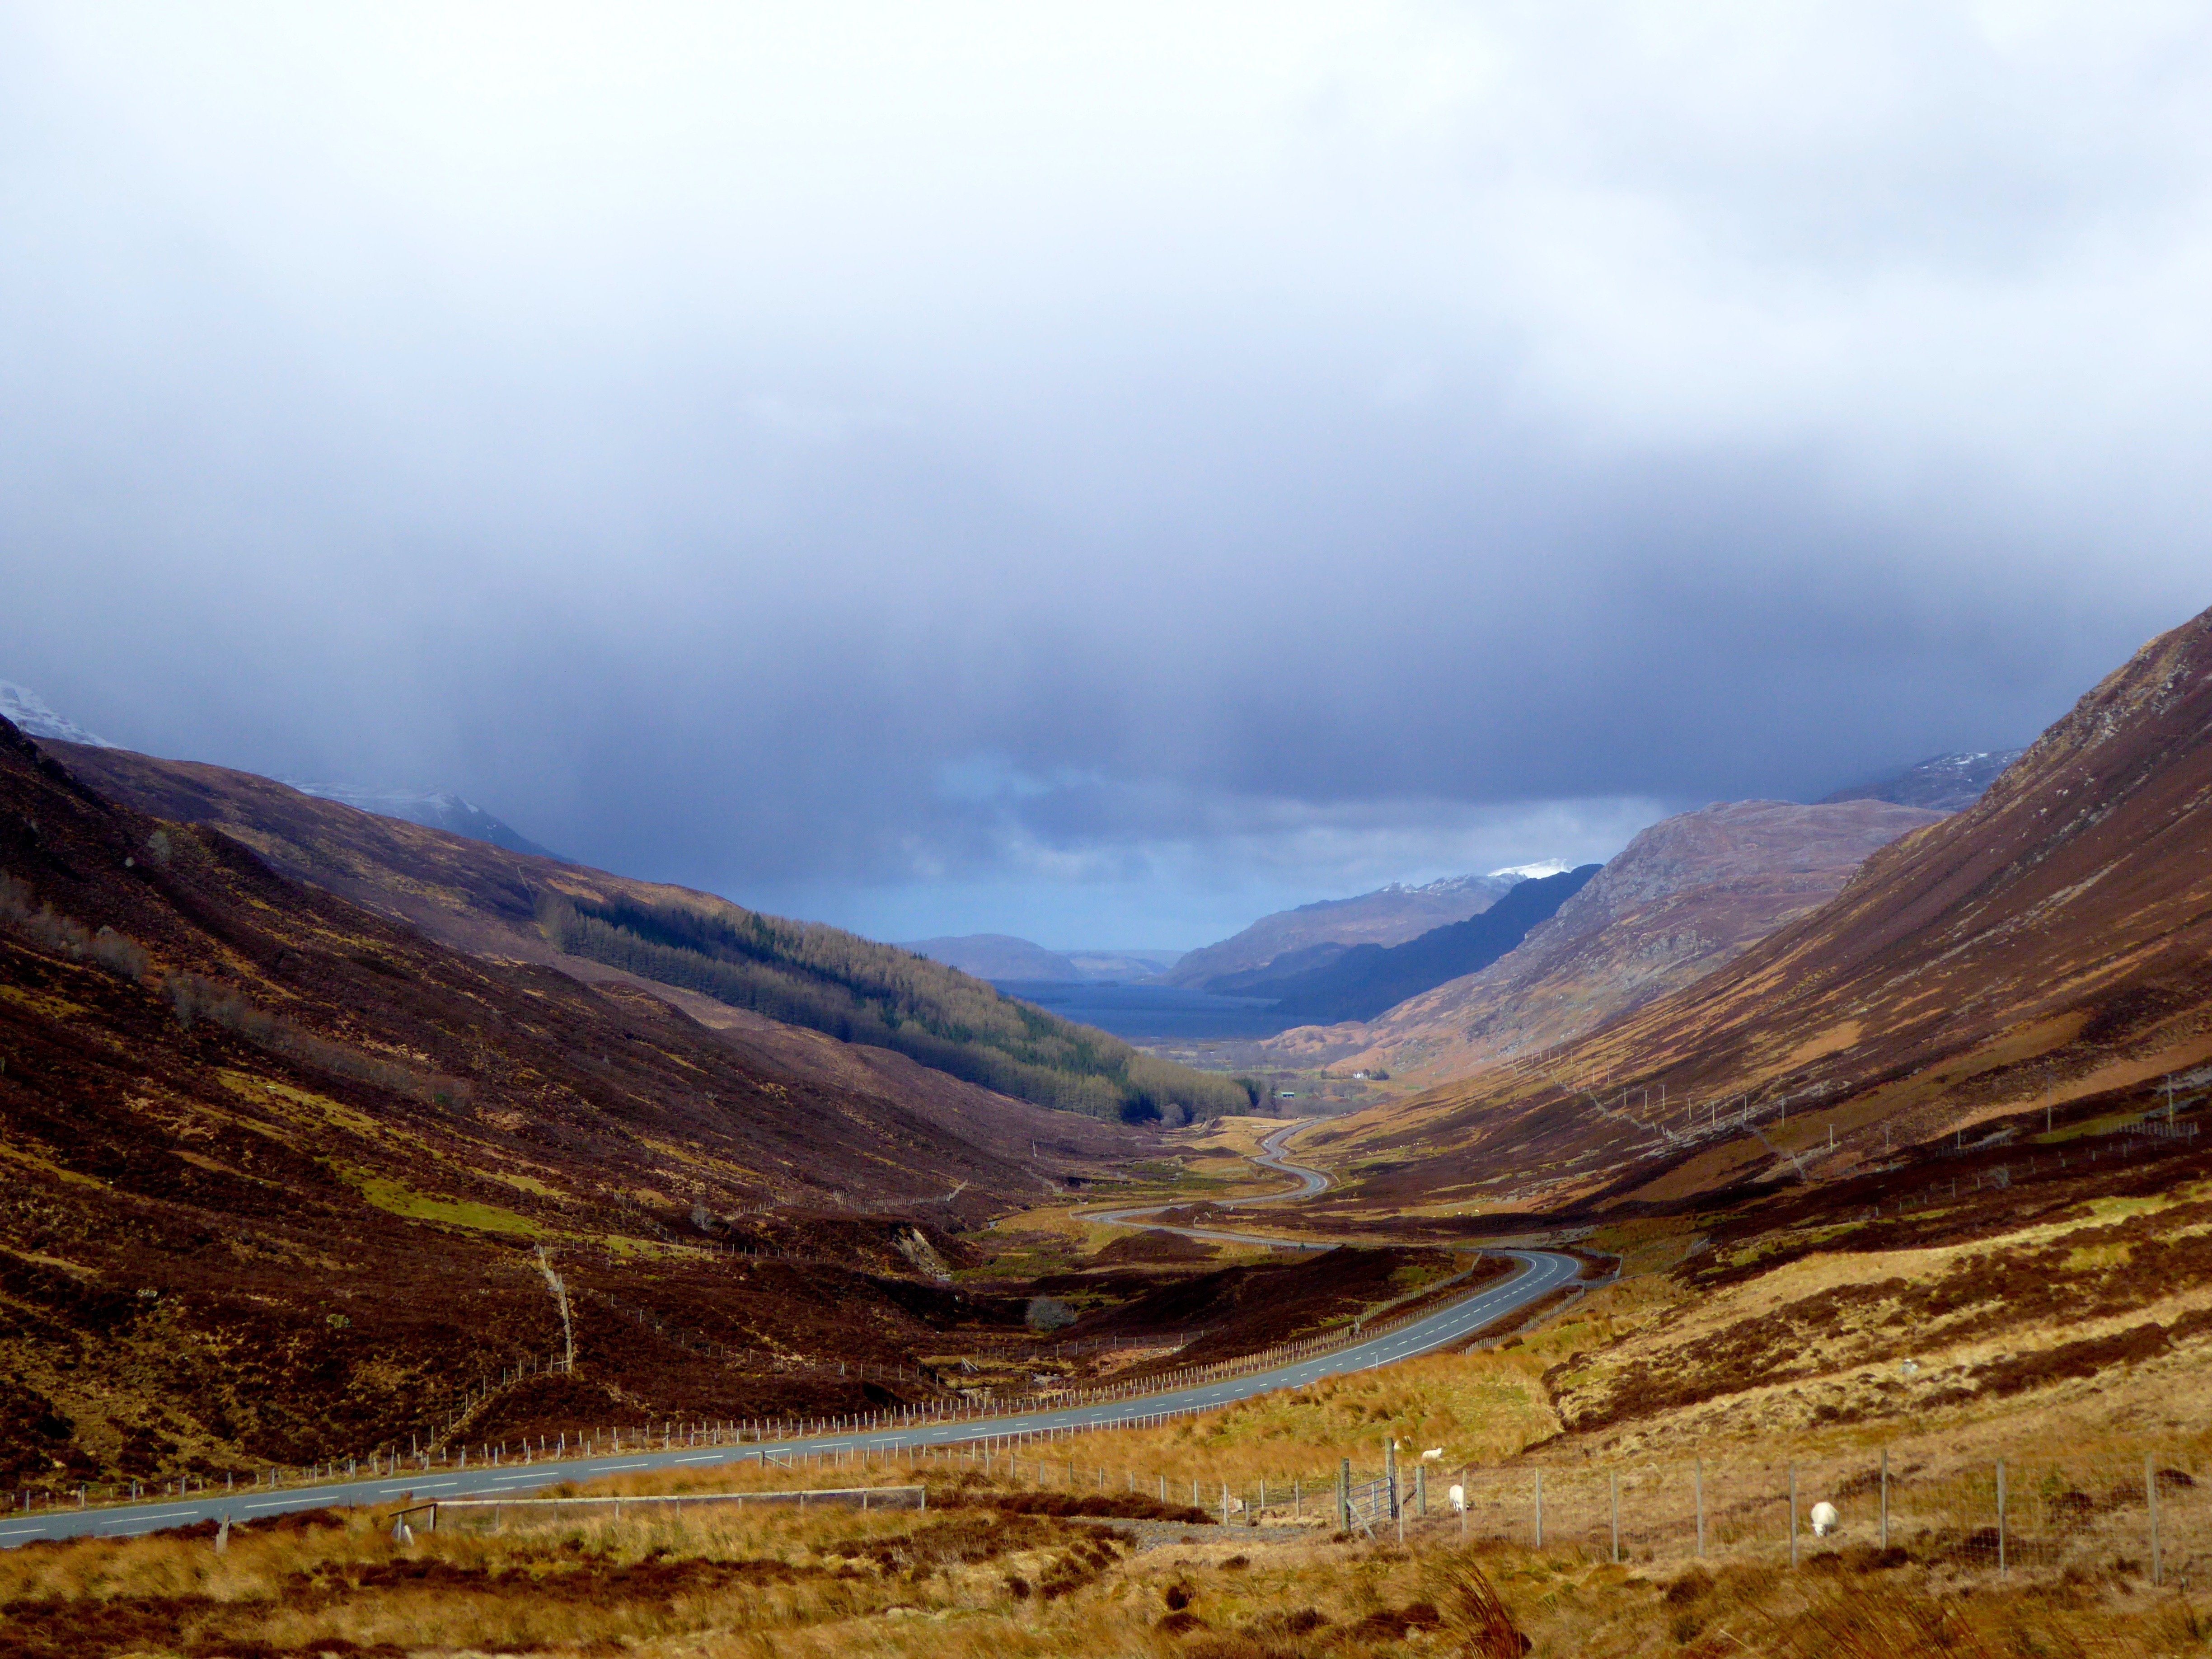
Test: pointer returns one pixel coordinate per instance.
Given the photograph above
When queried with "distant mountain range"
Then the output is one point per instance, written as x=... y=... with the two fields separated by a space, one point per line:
x=432 y=809
x=1687 y=895
x=1363 y=981
x=1001 y=955
x=1301 y=940
x=1947 y=783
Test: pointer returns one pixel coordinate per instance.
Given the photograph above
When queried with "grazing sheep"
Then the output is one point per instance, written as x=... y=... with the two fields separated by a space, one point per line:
x=1434 y=1454
x=1458 y=1496
x=1825 y=1519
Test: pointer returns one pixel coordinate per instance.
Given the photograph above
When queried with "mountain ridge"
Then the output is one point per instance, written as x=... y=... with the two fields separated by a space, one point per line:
x=1005 y=957
x=1942 y=783
x=433 y=808
x=1684 y=896
x=1388 y=915
x=491 y=901
x=1367 y=979
x=2048 y=950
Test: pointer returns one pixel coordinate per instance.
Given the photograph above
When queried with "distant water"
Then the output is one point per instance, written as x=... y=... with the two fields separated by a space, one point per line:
x=1151 y=1013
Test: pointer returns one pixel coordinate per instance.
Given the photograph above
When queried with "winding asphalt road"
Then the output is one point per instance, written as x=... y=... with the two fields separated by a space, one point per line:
x=1542 y=1271
x=1272 y=1154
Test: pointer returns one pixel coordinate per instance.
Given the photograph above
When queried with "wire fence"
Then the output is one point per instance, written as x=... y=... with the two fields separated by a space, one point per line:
x=494 y=1512
x=2148 y=1513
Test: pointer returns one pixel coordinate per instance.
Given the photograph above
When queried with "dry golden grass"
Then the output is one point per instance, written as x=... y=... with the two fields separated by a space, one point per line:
x=1482 y=1408
x=890 y=1585
x=1840 y=1320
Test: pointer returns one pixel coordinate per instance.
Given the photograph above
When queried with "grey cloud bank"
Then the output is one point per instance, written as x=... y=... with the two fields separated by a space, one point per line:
x=959 y=469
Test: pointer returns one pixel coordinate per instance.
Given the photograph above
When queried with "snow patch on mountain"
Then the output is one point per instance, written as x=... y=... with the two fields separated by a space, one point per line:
x=30 y=712
x=1536 y=872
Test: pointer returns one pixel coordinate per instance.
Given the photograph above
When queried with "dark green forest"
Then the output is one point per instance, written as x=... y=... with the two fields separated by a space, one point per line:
x=858 y=991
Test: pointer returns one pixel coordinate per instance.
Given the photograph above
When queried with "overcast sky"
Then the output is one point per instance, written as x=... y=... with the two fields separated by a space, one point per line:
x=1097 y=473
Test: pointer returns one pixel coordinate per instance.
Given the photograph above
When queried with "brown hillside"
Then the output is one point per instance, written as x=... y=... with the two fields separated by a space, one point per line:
x=2047 y=948
x=276 y=1166
x=1686 y=896
x=483 y=899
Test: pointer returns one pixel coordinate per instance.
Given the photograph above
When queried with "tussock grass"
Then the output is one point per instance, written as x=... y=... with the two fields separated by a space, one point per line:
x=977 y=1584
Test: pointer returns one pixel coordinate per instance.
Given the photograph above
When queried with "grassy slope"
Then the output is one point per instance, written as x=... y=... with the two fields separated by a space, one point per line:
x=982 y=1573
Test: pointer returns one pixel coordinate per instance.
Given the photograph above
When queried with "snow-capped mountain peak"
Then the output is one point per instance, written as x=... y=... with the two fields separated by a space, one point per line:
x=30 y=711
x=1535 y=872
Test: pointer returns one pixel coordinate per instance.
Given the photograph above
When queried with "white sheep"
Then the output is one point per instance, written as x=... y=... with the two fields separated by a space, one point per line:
x=1825 y=1519
x=1458 y=1496
x=1434 y=1454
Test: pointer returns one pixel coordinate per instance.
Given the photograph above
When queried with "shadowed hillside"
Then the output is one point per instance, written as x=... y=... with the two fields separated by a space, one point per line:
x=499 y=903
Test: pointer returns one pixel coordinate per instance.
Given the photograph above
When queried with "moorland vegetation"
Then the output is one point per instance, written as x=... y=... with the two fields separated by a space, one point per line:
x=858 y=991
x=783 y=977
x=1903 y=1210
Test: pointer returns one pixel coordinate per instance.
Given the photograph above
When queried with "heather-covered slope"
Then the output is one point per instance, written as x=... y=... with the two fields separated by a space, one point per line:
x=2051 y=947
x=1686 y=896
x=499 y=903
x=276 y=1164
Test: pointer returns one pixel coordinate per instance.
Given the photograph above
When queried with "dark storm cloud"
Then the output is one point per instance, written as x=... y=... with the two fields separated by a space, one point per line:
x=985 y=472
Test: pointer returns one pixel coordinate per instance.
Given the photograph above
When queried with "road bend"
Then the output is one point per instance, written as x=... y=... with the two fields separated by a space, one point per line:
x=1538 y=1274
x=1274 y=1154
